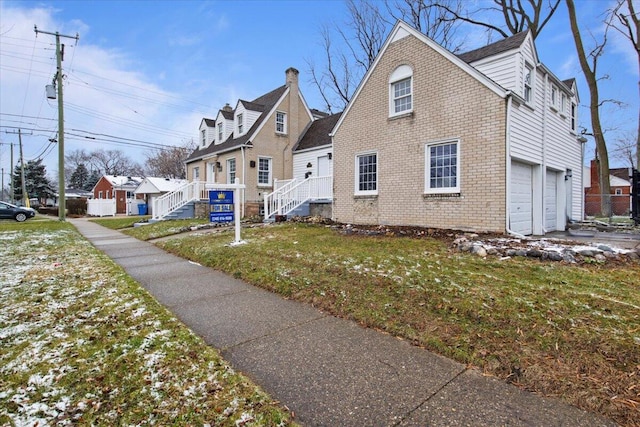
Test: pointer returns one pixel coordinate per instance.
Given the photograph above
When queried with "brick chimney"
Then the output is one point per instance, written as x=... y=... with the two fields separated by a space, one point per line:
x=293 y=121
x=227 y=108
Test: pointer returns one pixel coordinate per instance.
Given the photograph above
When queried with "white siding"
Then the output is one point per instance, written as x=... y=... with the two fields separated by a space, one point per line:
x=301 y=160
x=502 y=70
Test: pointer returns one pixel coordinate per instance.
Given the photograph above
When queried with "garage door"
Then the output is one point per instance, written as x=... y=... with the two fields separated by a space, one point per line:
x=551 y=202
x=520 y=213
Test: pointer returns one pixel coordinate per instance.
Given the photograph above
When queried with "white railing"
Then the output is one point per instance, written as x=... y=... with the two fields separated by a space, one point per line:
x=293 y=194
x=279 y=184
x=167 y=203
x=101 y=207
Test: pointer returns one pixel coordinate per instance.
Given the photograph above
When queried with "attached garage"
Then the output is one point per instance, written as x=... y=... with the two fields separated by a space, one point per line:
x=551 y=202
x=521 y=205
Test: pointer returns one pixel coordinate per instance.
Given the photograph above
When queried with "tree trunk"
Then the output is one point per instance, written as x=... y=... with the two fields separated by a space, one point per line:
x=594 y=107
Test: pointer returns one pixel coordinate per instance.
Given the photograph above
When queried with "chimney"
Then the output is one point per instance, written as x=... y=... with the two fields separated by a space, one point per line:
x=291 y=77
x=227 y=108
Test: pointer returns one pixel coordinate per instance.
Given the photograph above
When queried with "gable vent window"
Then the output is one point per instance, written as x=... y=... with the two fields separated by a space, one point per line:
x=401 y=91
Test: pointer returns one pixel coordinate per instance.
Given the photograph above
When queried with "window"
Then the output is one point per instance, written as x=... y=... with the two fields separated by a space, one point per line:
x=367 y=174
x=554 y=96
x=99 y=194
x=196 y=174
x=281 y=122
x=231 y=171
x=240 y=124
x=618 y=192
x=220 y=133
x=573 y=116
x=264 y=171
x=442 y=174
x=130 y=195
x=204 y=137
x=563 y=103
x=401 y=91
x=528 y=84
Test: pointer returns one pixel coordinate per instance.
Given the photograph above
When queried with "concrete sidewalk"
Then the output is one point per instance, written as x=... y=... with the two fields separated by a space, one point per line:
x=328 y=371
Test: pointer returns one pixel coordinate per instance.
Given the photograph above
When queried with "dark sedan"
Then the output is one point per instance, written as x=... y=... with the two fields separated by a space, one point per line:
x=19 y=213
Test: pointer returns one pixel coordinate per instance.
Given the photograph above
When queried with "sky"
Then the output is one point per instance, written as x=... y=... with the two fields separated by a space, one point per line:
x=143 y=74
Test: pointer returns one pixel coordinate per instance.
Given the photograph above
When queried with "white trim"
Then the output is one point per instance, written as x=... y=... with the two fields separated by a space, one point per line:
x=356 y=183
x=400 y=74
x=284 y=122
x=427 y=167
x=235 y=170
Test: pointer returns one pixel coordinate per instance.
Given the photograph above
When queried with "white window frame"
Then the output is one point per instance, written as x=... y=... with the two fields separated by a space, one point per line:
x=196 y=173
x=400 y=75
x=618 y=192
x=231 y=170
x=281 y=125
x=554 y=97
x=269 y=171
x=563 y=104
x=240 y=124
x=427 y=168
x=357 y=190
x=220 y=132
x=204 y=137
x=100 y=194
x=574 y=116
x=527 y=89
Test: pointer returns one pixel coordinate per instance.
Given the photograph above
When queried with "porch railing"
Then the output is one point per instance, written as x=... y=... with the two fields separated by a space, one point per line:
x=167 y=203
x=295 y=193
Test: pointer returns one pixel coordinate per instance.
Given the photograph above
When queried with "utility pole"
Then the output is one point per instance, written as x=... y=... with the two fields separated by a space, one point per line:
x=25 y=196
x=62 y=205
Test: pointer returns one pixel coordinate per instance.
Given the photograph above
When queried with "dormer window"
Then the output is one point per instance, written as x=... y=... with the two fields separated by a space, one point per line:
x=563 y=104
x=203 y=133
x=281 y=122
x=554 y=97
x=401 y=91
x=240 y=124
x=220 y=132
x=528 y=84
x=573 y=116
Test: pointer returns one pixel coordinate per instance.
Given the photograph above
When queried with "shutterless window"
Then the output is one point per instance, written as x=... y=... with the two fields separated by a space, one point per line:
x=231 y=171
x=573 y=116
x=240 y=124
x=204 y=137
x=196 y=173
x=528 y=83
x=554 y=96
x=281 y=122
x=367 y=173
x=442 y=171
x=401 y=90
x=220 y=133
x=264 y=171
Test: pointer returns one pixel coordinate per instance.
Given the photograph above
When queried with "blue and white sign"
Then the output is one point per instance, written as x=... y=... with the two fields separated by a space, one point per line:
x=221 y=209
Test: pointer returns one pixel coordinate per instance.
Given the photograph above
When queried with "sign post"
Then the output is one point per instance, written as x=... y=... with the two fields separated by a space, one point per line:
x=224 y=201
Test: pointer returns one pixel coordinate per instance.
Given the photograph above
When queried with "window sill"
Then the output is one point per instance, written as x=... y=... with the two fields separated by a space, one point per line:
x=365 y=196
x=401 y=115
x=452 y=195
x=554 y=109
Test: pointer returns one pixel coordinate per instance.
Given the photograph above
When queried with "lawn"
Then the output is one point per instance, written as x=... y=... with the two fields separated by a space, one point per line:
x=571 y=331
x=81 y=343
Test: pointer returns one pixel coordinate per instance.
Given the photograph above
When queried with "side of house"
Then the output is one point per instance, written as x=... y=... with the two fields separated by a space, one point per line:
x=482 y=141
x=253 y=142
x=120 y=188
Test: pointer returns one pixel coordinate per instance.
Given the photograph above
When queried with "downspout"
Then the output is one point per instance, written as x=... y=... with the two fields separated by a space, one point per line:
x=508 y=167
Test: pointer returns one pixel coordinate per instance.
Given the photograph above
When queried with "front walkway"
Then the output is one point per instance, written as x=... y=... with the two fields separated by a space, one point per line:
x=328 y=371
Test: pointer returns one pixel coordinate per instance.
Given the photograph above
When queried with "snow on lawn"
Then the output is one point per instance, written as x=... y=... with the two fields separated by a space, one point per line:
x=81 y=344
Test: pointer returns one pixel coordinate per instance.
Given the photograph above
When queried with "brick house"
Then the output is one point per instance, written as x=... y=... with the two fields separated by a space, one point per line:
x=620 y=183
x=252 y=141
x=483 y=141
x=117 y=187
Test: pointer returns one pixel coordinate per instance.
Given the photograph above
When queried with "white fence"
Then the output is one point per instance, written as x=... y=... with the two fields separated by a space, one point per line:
x=101 y=207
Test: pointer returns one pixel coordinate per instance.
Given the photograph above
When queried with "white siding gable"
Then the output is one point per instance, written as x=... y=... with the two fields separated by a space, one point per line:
x=227 y=128
x=249 y=117
x=206 y=135
x=302 y=160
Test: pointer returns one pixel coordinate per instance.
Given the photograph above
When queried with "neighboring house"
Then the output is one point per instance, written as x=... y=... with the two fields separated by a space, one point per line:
x=252 y=141
x=312 y=154
x=483 y=141
x=117 y=187
x=152 y=187
x=620 y=183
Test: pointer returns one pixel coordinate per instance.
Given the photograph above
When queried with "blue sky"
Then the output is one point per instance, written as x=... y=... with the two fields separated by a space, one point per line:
x=150 y=70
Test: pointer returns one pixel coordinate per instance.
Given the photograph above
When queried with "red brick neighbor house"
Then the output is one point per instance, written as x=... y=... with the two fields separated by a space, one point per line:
x=116 y=187
x=619 y=180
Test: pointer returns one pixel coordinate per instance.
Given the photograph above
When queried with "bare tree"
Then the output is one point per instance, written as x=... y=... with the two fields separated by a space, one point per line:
x=169 y=163
x=625 y=149
x=624 y=18
x=517 y=15
x=72 y=160
x=114 y=162
x=590 y=71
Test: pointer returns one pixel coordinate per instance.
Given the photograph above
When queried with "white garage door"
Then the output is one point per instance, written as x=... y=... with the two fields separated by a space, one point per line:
x=551 y=202
x=520 y=214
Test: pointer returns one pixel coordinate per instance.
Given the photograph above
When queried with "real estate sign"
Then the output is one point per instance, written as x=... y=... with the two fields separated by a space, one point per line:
x=221 y=206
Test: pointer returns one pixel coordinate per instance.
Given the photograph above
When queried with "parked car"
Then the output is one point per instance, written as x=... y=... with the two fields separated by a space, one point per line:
x=19 y=213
